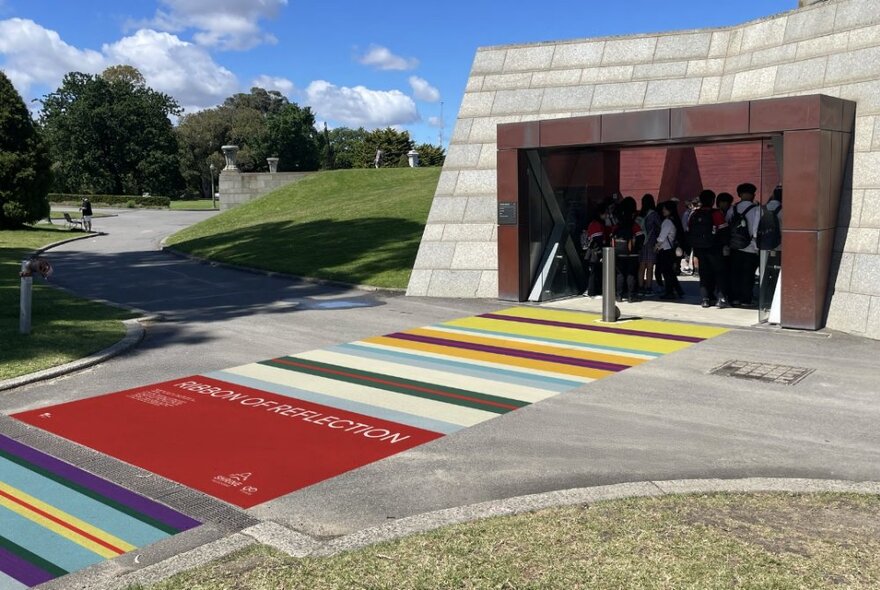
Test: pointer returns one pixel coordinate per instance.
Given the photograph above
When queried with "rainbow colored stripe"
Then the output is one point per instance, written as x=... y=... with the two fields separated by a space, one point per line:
x=56 y=518
x=459 y=373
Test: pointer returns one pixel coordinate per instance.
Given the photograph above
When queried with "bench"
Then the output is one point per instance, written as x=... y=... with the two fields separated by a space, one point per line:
x=70 y=222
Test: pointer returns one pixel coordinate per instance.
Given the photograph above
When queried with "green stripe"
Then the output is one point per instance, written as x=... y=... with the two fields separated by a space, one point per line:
x=400 y=385
x=33 y=558
x=90 y=493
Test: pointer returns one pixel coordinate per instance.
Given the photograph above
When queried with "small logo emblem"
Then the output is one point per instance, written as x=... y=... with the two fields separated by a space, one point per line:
x=233 y=480
x=46 y=415
x=249 y=490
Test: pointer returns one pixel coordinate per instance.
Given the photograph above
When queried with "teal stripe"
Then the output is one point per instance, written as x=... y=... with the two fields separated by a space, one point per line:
x=596 y=347
x=36 y=539
x=80 y=506
x=459 y=367
x=342 y=404
x=9 y=583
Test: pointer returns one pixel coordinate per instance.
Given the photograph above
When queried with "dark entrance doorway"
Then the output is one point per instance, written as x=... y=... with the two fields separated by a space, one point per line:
x=551 y=173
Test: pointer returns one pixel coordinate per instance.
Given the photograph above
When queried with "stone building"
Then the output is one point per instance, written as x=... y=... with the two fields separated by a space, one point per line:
x=829 y=48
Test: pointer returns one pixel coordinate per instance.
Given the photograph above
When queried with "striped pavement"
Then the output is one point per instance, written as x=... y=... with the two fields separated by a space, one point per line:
x=463 y=372
x=56 y=518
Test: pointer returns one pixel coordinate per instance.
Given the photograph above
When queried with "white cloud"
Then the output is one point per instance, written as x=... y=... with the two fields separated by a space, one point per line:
x=435 y=122
x=361 y=106
x=35 y=55
x=224 y=24
x=184 y=70
x=282 y=85
x=422 y=90
x=381 y=58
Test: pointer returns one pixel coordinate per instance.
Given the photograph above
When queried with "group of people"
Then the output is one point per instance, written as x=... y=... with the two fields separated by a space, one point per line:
x=716 y=239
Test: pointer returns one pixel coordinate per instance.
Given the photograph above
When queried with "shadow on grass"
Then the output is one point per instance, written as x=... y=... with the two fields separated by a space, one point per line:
x=376 y=251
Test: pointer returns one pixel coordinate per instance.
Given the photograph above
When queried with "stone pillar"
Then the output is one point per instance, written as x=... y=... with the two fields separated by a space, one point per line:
x=413 y=158
x=230 y=152
x=273 y=165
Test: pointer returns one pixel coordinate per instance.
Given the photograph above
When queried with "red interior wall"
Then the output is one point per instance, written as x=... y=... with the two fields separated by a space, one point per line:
x=720 y=167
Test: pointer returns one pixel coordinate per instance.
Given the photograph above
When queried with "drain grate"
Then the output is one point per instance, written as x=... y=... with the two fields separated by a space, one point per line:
x=779 y=374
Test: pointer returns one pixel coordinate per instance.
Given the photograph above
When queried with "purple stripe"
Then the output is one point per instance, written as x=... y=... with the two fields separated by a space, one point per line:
x=22 y=570
x=537 y=356
x=101 y=486
x=606 y=329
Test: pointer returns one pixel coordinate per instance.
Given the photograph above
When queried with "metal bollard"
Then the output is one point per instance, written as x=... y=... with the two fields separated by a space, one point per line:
x=24 y=318
x=610 y=312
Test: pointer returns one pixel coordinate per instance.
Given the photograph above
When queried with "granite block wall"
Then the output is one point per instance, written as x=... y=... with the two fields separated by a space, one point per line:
x=831 y=47
x=236 y=188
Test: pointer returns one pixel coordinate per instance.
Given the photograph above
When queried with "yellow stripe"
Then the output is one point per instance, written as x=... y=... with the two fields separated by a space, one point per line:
x=577 y=317
x=638 y=343
x=441 y=378
x=380 y=398
x=557 y=368
x=530 y=347
x=60 y=530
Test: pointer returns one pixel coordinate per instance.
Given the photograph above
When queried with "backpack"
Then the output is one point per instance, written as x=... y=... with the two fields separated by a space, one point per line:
x=702 y=230
x=740 y=236
x=769 y=233
x=623 y=240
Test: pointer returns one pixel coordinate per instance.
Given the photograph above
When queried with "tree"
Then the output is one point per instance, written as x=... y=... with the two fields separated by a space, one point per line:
x=430 y=155
x=25 y=174
x=347 y=146
x=291 y=136
x=124 y=73
x=200 y=136
x=111 y=135
x=394 y=145
x=266 y=102
x=328 y=153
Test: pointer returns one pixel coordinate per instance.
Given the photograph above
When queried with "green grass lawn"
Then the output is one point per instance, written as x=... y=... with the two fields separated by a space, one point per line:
x=200 y=204
x=63 y=328
x=700 y=542
x=356 y=226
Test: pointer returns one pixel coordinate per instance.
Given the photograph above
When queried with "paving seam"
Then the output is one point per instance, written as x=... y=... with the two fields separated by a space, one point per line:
x=298 y=545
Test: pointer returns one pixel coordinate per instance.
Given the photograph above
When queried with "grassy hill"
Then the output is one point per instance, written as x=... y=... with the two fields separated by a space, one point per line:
x=357 y=226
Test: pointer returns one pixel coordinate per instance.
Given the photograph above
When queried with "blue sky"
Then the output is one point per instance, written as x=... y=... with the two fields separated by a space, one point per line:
x=355 y=62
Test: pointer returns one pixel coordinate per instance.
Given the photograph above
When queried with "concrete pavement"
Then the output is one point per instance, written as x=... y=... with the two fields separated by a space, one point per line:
x=668 y=419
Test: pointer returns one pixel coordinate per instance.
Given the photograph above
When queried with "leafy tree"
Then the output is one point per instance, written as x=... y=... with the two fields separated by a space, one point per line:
x=201 y=136
x=111 y=135
x=394 y=145
x=328 y=154
x=430 y=155
x=124 y=73
x=266 y=102
x=25 y=174
x=291 y=136
x=347 y=145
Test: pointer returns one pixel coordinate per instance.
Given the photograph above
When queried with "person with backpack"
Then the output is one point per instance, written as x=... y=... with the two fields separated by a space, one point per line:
x=593 y=239
x=743 y=249
x=627 y=240
x=708 y=232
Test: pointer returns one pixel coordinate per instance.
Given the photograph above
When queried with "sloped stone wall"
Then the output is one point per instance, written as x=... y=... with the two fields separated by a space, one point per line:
x=831 y=47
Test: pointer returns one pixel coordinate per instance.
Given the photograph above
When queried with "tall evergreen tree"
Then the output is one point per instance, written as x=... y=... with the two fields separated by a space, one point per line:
x=25 y=174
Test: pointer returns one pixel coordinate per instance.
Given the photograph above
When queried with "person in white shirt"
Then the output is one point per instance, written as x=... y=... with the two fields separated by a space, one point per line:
x=667 y=242
x=744 y=261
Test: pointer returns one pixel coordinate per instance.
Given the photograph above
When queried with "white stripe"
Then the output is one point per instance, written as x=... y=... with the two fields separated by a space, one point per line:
x=454 y=414
x=527 y=340
x=527 y=371
x=441 y=378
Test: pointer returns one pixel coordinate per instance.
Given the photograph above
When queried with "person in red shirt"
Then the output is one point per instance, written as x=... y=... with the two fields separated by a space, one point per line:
x=594 y=238
x=627 y=238
x=708 y=234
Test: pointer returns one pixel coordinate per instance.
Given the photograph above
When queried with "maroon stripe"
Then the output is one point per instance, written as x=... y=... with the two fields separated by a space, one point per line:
x=537 y=356
x=606 y=329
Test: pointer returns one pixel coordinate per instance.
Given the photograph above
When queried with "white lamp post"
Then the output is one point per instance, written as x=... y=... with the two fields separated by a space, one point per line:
x=213 y=194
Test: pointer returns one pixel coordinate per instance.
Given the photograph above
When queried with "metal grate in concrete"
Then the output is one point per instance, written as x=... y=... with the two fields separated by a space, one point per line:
x=764 y=372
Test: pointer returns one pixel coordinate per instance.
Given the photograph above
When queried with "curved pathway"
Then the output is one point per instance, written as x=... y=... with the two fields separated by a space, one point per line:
x=668 y=419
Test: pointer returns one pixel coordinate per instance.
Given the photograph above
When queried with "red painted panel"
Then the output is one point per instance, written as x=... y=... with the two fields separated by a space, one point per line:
x=573 y=131
x=239 y=449
x=519 y=135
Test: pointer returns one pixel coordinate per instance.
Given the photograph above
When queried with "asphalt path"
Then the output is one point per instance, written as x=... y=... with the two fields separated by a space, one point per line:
x=667 y=419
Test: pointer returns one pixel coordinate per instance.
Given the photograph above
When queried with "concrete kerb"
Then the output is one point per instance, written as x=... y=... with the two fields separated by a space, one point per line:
x=271 y=273
x=297 y=545
x=134 y=333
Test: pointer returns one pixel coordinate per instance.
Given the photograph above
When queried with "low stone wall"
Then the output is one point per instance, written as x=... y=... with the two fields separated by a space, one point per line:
x=237 y=188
